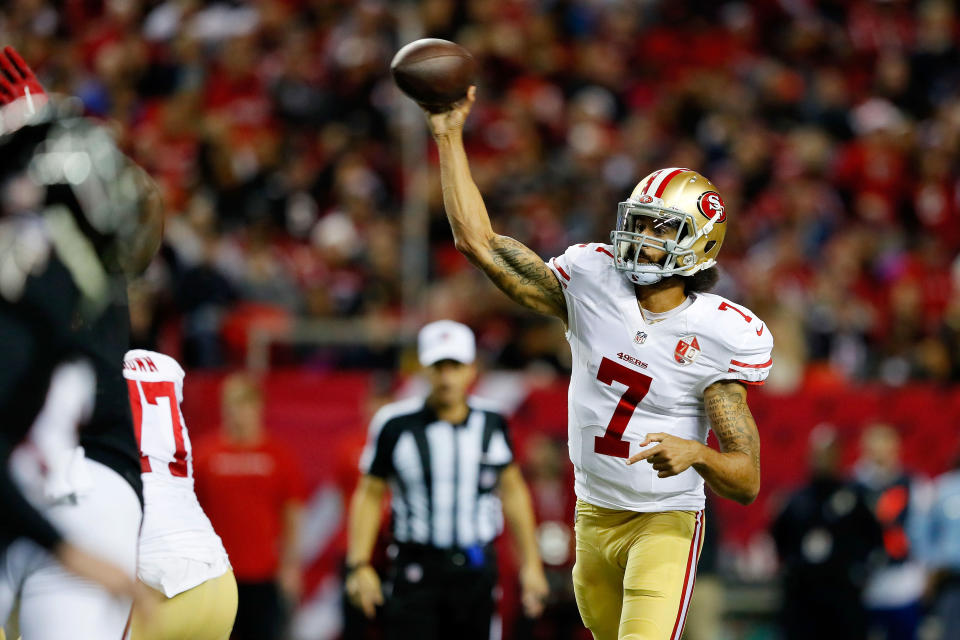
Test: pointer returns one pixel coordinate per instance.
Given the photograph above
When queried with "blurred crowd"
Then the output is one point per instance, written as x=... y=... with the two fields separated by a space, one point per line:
x=831 y=128
x=875 y=552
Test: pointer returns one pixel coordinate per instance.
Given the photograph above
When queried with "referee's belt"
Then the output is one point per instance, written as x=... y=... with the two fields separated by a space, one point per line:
x=474 y=556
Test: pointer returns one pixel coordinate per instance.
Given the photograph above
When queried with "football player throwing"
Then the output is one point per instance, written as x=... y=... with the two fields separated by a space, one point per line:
x=657 y=362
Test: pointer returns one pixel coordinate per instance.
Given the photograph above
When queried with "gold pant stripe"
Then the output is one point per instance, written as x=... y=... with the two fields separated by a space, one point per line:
x=635 y=572
x=206 y=612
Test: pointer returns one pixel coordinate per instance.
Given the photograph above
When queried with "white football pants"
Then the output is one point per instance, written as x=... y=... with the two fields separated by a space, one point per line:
x=55 y=604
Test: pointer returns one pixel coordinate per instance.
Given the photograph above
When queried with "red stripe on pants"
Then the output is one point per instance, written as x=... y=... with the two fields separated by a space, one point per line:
x=688 y=577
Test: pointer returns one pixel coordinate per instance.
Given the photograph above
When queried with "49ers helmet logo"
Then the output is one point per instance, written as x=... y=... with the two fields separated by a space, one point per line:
x=711 y=205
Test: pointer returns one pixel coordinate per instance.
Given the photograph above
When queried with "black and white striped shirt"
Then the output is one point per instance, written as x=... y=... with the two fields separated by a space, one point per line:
x=442 y=476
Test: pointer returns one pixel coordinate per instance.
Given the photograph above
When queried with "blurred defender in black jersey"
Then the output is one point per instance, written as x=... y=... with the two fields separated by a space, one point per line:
x=76 y=218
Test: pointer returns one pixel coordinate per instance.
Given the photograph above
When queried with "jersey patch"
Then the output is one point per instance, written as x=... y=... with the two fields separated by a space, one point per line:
x=687 y=350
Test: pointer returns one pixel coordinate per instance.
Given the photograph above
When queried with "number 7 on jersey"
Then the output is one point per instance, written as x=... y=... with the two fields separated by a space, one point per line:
x=152 y=393
x=638 y=384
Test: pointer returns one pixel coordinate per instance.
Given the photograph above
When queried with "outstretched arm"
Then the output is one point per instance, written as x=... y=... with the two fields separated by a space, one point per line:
x=513 y=267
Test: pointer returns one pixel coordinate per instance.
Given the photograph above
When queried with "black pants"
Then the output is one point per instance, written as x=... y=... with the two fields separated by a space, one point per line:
x=441 y=594
x=260 y=613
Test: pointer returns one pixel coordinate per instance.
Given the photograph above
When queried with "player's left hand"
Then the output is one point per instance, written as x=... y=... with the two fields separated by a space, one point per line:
x=534 y=589
x=671 y=457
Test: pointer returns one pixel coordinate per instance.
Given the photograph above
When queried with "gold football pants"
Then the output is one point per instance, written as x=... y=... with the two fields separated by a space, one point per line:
x=206 y=612
x=635 y=571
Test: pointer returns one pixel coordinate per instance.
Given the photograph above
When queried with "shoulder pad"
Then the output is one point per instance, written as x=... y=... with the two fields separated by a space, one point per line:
x=745 y=341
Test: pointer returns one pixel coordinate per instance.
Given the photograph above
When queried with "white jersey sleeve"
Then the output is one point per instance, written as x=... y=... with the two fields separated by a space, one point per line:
x=155 y=384
x=577 y=267
x=582 y=271
x=178 y=547
x=745 y=344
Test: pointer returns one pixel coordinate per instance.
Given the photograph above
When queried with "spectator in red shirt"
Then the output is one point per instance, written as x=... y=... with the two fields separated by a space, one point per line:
x=250 y=487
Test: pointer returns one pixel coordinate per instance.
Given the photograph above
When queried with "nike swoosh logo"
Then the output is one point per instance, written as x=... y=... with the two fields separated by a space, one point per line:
x=760 y=330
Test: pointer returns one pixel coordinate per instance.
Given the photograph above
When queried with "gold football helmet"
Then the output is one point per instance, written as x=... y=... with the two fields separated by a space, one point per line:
x=677 y=211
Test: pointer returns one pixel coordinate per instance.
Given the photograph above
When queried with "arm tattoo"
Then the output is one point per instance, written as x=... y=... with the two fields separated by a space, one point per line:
x=726 y=405
x=524 y=277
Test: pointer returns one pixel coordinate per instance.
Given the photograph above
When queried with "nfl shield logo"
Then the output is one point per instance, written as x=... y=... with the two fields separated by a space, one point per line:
x=687 y=350
x=640 y=338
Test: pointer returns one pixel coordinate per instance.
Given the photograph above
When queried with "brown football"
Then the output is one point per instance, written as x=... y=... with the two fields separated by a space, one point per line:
x=434 y=72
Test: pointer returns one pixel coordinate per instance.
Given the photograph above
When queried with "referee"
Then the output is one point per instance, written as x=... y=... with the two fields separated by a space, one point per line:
x=449 y=463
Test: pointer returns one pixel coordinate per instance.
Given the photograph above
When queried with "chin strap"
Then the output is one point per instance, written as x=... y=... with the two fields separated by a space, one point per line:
x=645 y=274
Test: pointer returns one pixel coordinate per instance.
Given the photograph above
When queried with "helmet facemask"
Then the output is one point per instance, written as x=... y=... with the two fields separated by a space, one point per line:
x=660 y=228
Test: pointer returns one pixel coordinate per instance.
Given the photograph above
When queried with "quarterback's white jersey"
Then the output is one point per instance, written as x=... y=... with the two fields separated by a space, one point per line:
x=634 y=375
x=178 y=546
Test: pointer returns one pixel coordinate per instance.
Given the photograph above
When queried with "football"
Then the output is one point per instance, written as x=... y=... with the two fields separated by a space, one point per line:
x=435 y=73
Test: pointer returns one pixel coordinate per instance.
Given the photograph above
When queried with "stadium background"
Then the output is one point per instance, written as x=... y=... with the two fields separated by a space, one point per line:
x=306 y=238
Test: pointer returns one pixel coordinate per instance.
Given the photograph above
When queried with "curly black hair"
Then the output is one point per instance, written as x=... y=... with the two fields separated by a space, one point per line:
x=700 y=281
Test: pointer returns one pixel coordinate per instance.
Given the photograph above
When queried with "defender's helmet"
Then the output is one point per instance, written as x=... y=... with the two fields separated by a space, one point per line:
x=67 y=172
x=674 y=210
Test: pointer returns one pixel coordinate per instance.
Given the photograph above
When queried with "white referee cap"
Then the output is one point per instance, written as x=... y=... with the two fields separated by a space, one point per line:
x=446 y=340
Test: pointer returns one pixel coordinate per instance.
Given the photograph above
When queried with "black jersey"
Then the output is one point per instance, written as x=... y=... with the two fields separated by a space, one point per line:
x=62 y=296
x=37 y=310
x=45 y=320
x=108 y=437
